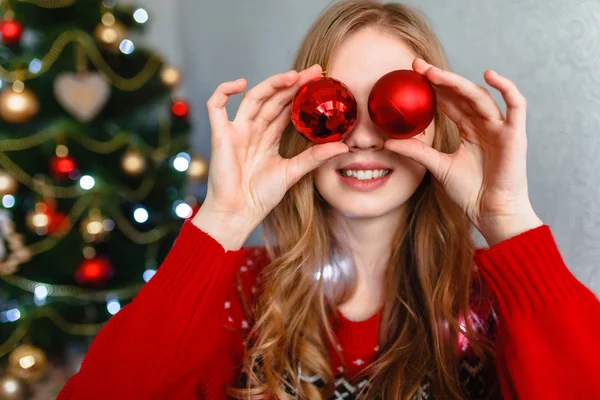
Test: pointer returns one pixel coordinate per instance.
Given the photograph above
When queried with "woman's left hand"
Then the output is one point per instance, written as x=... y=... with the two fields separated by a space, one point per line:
x=487 y=175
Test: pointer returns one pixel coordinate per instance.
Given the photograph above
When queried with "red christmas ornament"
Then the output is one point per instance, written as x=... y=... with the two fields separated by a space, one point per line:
x=55 y=220
x=93 y=271
x=11 y=31
x=402 y=104
x=324 y=110
x=180 y=108
x=61 y=166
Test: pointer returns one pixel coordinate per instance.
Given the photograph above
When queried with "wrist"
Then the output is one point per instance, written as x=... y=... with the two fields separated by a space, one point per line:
x=230 y=230
x=498 y=229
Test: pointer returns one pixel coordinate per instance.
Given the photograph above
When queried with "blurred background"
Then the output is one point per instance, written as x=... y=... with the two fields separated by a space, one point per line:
x=104 y=141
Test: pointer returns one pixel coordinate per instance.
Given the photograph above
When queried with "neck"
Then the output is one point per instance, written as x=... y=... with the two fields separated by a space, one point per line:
x=369 y=239
x=370 y=243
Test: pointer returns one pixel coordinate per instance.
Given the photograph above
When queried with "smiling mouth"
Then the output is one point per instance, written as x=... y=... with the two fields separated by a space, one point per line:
x=364 y=175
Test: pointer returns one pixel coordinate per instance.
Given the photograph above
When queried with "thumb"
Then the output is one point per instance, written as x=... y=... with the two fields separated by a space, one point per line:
x=432 y=159
x=312 y=158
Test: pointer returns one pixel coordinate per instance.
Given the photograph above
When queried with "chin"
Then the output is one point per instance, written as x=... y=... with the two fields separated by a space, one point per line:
x=359 y=207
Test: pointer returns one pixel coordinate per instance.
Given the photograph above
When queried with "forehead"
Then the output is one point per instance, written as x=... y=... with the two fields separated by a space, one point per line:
x=368 y=54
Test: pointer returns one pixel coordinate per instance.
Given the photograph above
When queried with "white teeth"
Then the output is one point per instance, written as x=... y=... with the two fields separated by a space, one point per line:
x=364 y=175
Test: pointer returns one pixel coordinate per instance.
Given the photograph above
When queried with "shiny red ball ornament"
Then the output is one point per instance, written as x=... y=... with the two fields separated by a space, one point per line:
x=94 y=271
x=402 y=104
x=180 y=109
x=324 y=110
x=11 y=31
x=61 y=167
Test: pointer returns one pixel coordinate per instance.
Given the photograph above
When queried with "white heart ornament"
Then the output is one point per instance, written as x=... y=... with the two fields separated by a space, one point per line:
x=83 y=96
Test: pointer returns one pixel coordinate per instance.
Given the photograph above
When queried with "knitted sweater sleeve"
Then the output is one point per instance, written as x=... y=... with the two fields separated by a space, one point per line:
x=547 y=344
x=170 y=335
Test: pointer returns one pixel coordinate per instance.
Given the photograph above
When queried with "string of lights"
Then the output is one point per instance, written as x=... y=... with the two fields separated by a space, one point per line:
x=20 y=332
x=74 y=292
x=87 y=42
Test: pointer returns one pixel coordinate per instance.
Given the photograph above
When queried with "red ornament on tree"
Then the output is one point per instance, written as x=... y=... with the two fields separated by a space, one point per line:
x=324 y=110
x=180 y=109
x=61 y=167
x=402 y=104
x=56 y=220
x=94 y=271
x=11 y=31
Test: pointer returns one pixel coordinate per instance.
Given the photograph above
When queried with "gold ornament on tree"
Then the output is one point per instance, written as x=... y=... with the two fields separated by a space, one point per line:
x=198 y=168
x=17 y=104
x=83 y=94
x=133 y=163
x=44 y=219
x=38 y=219
x=11 y=388
x=8 y=185
x=27 y=362
x=110 y=33
x=93 y=228
x=170 y=76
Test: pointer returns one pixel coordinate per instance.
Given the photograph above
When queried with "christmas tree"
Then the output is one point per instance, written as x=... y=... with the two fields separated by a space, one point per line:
x=93 y=167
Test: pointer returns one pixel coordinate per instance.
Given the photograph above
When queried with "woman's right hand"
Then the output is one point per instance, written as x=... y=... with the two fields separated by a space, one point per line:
x=247 y=176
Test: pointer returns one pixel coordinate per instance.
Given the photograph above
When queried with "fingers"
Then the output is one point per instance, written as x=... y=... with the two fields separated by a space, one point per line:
x=312 y=158
x=435 y=161
x=516 y=104
x=217 y=113
x=274 y=106
x=255 y=97
x=456 y=108
x=479 y=97
x=421 y=66
x=273 y=132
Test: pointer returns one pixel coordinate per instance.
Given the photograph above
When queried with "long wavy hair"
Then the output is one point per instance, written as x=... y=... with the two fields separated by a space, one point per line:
x=429 y=271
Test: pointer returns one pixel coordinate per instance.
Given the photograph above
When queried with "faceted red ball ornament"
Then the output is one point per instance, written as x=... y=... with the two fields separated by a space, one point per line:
x=402 y=104
x=324 y=110
x=94 y=271
x=11 y=31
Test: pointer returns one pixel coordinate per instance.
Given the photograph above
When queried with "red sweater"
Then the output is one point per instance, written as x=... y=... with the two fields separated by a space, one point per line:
x=182 y=337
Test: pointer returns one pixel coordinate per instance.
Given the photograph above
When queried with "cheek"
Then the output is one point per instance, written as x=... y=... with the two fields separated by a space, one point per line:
x=321 y=177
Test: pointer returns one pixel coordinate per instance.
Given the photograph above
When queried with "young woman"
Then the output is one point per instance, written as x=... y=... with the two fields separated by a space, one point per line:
x=367 y=289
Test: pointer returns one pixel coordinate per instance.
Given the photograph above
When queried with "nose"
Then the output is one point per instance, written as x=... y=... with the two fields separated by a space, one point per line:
x=364 y=135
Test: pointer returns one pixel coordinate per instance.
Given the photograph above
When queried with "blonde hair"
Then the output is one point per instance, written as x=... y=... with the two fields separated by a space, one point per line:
x=429 y=272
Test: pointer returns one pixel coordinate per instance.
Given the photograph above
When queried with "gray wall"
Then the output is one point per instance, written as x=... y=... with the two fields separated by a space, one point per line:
x=550 y=48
